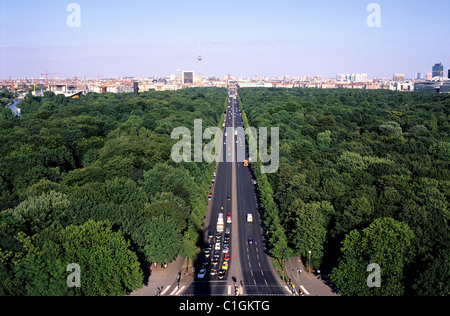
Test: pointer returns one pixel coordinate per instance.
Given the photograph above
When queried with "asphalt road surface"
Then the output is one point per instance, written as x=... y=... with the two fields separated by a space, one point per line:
x=234 y=190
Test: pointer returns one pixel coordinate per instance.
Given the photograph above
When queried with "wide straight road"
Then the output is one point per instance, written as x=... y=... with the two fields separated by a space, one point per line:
x=212 y=285
x=258 y=274
x=234 y=190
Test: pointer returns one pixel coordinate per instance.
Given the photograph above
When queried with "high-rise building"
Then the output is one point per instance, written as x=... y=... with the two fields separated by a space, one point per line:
x=179 y=74
x=449 y=74
x=438 y=70
x=399 y=77
x=188 y=77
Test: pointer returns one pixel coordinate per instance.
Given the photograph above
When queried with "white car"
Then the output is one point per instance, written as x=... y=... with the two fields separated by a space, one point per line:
x=201 y=274
x=217 y=247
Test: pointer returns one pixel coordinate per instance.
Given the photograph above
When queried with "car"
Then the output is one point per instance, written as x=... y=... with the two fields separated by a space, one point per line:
x=226 y=250
x=213 y=271
x=217 y=246
x=227 y=231
x=225 y=266
x=229 y=218
x=228 y=198
x=226 y=257
x=216 y=254
x=210 y=196
x=201 y=274
x=221 y=274
x=210 y=234
x=250 y=241
x=207 y=253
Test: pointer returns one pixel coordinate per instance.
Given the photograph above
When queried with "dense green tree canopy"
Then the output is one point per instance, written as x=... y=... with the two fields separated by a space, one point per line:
x=91 y=181
x=385 y=242
x=348 y=158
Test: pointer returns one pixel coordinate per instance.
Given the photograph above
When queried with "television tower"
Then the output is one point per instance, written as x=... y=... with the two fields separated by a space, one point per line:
x=200 y=58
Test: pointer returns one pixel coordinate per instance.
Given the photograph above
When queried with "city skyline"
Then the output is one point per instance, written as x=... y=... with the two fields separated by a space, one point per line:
x=294 y=38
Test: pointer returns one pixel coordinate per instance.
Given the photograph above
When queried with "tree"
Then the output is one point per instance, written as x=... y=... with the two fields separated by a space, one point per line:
x=385 y=242
x=6 y=113
x=164 y=239
x=41 y=212
x=391 y=129
x=324 y=140
x=108 y=266
x=41 y=268
x=308 y=232
x=165 y=178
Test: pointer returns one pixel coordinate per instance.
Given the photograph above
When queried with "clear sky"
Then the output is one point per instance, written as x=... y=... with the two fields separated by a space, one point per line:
x=248 y=37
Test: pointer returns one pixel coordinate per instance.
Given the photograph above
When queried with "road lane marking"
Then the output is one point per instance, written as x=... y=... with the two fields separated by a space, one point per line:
x=229 y=289
x=174 y=291
x=178 y=293
x=165 y=290
x=304 y=290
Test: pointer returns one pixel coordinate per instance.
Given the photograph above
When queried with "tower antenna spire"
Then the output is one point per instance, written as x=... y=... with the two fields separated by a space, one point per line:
x=200 y=58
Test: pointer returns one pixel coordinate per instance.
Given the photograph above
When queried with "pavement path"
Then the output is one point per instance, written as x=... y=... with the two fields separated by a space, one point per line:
x=312 y=284
x=164 y=281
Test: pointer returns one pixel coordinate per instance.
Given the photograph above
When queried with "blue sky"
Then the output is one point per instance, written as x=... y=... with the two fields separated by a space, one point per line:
x=248 y=37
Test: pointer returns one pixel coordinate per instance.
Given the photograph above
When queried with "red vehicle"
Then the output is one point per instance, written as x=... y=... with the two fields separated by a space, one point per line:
x=226 y=257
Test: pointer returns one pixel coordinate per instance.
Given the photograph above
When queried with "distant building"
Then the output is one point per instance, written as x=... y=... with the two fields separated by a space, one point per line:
x=445 y=88
x=437 y=84
x=188 y=77
x=438 y=70
x=351 y=77
x=179 y=74
x=399 y=77
x=67 y=90
x=449 y=74
x=425 y=86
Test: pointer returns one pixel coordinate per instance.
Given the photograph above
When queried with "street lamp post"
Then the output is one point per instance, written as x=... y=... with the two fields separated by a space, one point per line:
x=309 y=261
